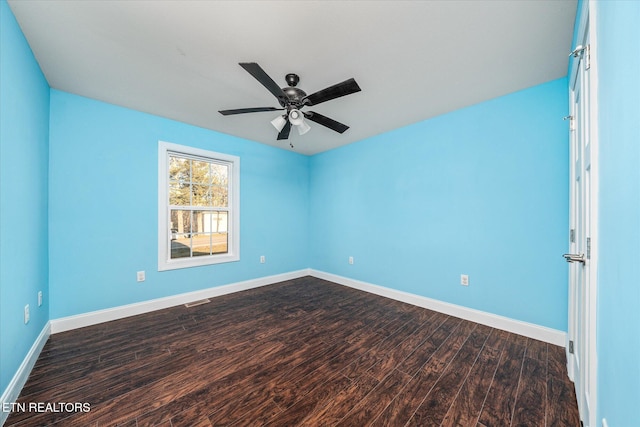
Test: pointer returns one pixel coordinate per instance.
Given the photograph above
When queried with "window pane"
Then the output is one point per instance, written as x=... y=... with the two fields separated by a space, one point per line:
x=219 y=174
x=200 y=171
x=201 y=195
x=219 y=222
x=220 y=196
x=180 y=221
x=220 y=243
x=202 y=221
x=179 y=169
x=180 y=246
x=179 y=194
x=201 y=244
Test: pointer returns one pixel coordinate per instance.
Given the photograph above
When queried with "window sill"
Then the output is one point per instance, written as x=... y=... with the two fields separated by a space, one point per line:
x=179 y=263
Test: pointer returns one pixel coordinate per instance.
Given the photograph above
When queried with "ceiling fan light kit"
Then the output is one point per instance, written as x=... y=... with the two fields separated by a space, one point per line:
x=292 y=99
x=303 y=128
x=295 y=117
x=279 y=122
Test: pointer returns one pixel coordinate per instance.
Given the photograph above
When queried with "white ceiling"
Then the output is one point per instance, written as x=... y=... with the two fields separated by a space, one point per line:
x=413 y=59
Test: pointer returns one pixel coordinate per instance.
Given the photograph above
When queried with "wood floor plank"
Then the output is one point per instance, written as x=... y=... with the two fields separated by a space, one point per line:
x=500 y=400
x=404 y=405
x=333 y=366
x=387 y=360
x=258 y=416
x=466 y=408
x=224 y=391
x=435 y=406
x=301 y=352
x=562 y=409
x=532 y=395
x=371 y=357
x=412 y=364
x=537 y=350
x=342 y=403
x=557 y=362
x=373 y=403
x=194 y=416
x=311 y=402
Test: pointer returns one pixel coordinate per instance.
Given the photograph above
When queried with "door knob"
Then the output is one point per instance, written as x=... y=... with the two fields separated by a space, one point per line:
x=574 y=258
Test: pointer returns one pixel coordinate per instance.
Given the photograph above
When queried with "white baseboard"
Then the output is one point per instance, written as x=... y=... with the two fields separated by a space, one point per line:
x=18 y=381
x=115 y=313
x=542 y=333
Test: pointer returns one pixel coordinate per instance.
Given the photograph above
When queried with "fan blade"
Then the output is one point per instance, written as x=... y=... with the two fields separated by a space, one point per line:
x=284 y=133
x=259 y=74
x=347 y=87
x=248 y=110
x=326 y=121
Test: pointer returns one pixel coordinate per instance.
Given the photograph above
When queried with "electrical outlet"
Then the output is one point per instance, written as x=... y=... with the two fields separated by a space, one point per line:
x=262 y=259
x=140 y=276
x=351 y=260
x=464 y=280
x=26 y=314
x=39 y=298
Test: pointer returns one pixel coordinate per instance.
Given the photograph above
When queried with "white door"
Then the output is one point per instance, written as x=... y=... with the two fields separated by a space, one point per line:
x=582 y=296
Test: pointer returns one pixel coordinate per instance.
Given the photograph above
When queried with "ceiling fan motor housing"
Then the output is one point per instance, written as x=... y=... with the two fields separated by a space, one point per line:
x=294 y=94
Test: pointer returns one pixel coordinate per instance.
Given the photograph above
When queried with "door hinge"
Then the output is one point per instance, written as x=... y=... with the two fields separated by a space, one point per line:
x=572 y=235
x=588 y=247
x=571 y=347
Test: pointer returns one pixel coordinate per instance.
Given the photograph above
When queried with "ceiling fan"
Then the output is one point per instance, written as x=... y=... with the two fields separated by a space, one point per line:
x=293 y=99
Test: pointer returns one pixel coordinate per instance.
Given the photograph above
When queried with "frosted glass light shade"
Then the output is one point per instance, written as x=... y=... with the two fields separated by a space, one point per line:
x=303 y=128
x=279 y=122
x=296 y=117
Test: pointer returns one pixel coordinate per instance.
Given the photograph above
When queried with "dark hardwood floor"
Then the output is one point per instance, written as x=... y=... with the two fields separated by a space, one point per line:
x=303 y=352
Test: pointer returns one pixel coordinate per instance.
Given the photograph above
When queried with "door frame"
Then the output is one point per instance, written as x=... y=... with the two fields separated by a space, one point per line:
x=587 y=22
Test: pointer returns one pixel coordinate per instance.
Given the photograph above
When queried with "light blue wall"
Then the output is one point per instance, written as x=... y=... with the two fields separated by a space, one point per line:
x=618 y=335
x=104 y=207
x=481 y=191
x=24 y=132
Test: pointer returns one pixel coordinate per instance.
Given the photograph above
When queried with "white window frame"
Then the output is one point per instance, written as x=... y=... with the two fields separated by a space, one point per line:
x=164 y=233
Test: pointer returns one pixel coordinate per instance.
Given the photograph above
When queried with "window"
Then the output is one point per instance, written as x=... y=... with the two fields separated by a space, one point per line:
x=198 y=207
